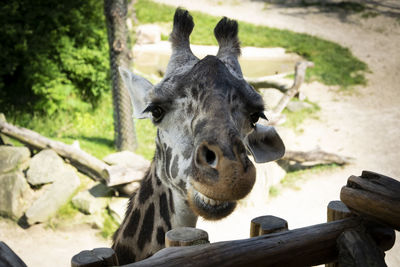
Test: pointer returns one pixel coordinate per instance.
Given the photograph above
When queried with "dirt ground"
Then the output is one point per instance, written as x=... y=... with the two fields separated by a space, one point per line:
x=363 y=125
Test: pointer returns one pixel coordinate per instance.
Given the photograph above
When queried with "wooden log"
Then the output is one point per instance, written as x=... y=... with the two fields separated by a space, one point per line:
x=299 y=76
x=275 y=81
x=314 y=157
x=337 y=210
x=79 y=158
x=95 y=258
x=307 y=246
x=185 y=236
x=374 y=195
x=4 y=140
x=86 y=163
x=8 y=257
x=358 y=249
x=267 y=225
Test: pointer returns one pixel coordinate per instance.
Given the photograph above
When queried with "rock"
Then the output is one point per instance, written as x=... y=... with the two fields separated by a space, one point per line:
x=95 y=220
x=271 y=97
x=15 y=194
x=13 y=158
x=126 y=167
x=117 y=207
x=127 y=159
x=148 y=34
x=87 y=203
x=295 y=106
x=44 y=167
x=56 y=195
x=93 y=200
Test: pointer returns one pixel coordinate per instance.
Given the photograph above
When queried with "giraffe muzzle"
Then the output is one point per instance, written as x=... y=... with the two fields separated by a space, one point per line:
x=219 y=179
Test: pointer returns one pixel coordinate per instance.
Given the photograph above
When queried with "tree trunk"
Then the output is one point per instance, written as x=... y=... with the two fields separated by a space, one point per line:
x=115 y=12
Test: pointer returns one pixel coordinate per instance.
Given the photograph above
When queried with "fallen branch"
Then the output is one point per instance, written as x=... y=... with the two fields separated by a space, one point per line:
x=83 y=161
x=300 y=72
x=274 y=81
x=314 y=157
x=299 y=76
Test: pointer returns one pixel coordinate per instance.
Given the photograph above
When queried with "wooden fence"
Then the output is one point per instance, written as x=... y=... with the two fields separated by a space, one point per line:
x=359 y=229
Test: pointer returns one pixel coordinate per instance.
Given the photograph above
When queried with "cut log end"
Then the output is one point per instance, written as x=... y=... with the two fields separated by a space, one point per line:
x=267 y=225
x=337 y=210
x=94 y=258
x=185 y=236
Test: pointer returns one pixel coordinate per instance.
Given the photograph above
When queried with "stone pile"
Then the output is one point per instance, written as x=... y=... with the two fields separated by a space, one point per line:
x=33 y=188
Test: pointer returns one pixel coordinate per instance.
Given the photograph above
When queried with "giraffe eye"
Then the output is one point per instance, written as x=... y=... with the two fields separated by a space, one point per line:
x=156 y=112
x=254 y=117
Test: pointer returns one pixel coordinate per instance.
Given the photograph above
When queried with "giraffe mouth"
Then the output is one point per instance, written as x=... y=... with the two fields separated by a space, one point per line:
x=209 y=208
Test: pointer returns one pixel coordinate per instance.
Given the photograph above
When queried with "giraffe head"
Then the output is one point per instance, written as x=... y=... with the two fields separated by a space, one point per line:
x=206 y=115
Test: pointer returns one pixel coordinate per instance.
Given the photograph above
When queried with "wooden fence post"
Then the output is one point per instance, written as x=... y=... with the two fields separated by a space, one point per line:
x=94 y=258
x=267 y=225
x=358 y=249
x=185 y=236
x=337 y=210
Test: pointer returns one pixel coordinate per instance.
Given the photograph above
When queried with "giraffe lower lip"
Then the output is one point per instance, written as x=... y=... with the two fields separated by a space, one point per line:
x=213 y=208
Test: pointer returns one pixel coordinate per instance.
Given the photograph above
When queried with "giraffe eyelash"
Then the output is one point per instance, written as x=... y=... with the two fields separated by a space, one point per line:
x=157 y=112
x=254 y=117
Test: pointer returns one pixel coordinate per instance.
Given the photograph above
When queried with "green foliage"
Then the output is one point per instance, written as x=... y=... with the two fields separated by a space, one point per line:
x=109 y=226
x=334 y=64
x=93 y=128
x=53 y=55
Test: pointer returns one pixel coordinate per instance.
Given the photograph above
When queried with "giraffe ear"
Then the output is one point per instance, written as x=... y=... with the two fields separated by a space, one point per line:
x=265 y=144
x=138 y=88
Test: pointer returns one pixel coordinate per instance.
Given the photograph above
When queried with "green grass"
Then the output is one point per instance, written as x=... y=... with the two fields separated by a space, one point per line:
x=334 y=64
x=295 y=119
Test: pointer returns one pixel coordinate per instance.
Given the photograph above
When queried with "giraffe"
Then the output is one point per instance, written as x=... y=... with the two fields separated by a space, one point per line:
x=206 y=117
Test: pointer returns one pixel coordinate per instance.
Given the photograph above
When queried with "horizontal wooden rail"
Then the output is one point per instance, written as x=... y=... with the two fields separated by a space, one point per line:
x=306 y=246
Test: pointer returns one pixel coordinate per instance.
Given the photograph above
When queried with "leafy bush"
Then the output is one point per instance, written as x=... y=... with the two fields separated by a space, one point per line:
x=54 y=54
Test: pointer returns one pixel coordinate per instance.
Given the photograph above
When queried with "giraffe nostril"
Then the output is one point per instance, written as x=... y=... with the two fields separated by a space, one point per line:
x=207 y=157
x=210 y=157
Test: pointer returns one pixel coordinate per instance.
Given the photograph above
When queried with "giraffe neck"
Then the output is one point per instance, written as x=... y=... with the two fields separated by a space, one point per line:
x=156 y=208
